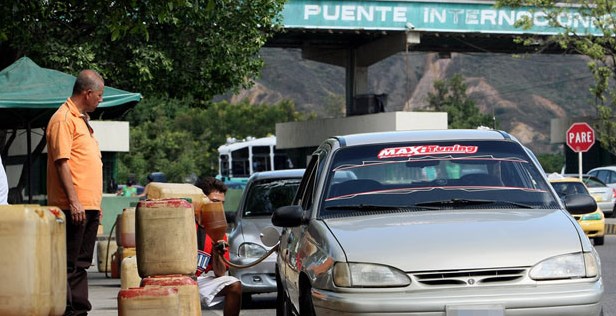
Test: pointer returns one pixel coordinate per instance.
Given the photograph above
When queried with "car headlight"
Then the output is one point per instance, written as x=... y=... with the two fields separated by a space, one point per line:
x=251 y=250
x=570 y=266
x=368 y=275
x=591 y=217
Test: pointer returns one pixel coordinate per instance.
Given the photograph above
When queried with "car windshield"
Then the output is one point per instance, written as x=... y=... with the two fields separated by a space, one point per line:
x=264 y=196
x=435 y=175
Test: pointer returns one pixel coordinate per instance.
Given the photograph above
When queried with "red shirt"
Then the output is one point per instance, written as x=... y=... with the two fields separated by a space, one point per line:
x=204 y=262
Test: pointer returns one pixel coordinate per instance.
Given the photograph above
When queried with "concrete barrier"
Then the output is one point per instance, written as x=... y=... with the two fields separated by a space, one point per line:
x=610 y=229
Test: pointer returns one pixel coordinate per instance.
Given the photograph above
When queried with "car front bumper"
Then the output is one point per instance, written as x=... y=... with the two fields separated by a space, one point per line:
x=593 y=228
x=564 y=299
x=260 y=278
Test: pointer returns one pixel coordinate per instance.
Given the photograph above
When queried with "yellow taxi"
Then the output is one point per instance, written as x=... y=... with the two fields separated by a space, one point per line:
x=593 y=223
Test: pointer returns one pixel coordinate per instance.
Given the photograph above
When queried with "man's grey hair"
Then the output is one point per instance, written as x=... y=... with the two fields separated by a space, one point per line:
x=88 y=80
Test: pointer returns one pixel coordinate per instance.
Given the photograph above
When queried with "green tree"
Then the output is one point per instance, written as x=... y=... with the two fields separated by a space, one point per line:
x=551 y=162
x=450 y=96
x=599 y=46
x=180 y=139
x=170 y=47
x=334 y=106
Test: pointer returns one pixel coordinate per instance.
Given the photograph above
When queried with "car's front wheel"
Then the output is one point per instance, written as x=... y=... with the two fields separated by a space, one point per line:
x=283 y=306
x=246 y=299
x=598 y=241
x=306 y=308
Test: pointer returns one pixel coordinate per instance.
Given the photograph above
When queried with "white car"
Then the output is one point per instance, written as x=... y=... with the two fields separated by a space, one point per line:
x=606 y=174
x=448 y=222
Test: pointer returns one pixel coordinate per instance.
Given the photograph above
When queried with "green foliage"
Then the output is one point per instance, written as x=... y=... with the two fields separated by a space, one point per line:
x=181 y=137
x=450 y=96
x=334 y=106
x=551 y=162
x=171 y=47
x=177 y=53
x=600 y=49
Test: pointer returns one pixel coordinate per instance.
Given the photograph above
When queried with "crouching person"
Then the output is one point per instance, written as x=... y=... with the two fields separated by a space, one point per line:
x=214 y=283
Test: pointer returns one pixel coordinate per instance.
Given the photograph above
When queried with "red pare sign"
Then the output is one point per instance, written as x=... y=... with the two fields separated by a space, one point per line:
x=580 y=137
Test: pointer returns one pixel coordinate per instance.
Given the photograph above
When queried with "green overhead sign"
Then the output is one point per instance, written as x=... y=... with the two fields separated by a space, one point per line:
x=431 y=16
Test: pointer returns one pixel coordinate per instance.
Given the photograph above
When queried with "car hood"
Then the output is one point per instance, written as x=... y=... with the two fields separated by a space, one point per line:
x=445 y=240
x=251 y=227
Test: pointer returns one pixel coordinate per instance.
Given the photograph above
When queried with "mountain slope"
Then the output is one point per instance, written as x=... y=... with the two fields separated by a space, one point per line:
x=522 y=93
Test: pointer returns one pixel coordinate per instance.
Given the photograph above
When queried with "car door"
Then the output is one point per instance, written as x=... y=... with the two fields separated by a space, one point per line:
x=292 y=238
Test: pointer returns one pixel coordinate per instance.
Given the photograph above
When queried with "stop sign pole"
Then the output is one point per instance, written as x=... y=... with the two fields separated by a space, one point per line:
x=580 y=137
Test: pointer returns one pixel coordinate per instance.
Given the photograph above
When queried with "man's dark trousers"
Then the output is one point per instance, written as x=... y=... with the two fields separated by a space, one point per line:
x=80 y=241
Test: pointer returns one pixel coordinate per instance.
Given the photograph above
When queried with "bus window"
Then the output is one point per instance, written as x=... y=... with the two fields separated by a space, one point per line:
x=281 y=160
x=261 y=158
x=224 y=165
x=240 y=165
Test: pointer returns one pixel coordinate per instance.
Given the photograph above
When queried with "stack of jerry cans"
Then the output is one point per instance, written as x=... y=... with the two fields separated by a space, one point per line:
x=148 y=301
x=166 y=246
x=105 y=248
x=188 y=291
x=159 y=190
x=33 y=260
x=127 y=228
x=128 y=273
x=166 y=238
x=128 y=267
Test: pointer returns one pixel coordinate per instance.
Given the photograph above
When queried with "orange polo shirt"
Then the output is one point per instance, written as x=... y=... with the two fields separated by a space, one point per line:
x=70 y=137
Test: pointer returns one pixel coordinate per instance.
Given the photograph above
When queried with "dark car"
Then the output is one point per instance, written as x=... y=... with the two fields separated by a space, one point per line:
x=264 y=192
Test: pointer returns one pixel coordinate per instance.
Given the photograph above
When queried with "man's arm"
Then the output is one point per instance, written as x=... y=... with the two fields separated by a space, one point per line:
x=78 y=214
x=218 y=265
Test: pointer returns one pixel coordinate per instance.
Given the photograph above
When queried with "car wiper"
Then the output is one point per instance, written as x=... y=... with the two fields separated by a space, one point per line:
x=360 y=207
x=470 y=202
x=375 y=207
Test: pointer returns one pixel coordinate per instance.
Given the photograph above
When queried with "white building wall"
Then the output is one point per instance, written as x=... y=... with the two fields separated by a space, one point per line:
x=112 y=136
x=312 y=133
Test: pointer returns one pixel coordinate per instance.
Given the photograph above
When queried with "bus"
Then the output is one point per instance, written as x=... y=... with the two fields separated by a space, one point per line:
x=238 y=160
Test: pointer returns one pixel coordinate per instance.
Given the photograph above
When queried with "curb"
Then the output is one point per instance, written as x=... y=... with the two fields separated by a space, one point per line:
x=610 y=229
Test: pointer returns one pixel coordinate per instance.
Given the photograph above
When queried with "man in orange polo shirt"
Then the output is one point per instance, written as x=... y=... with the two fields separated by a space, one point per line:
x=75 y=182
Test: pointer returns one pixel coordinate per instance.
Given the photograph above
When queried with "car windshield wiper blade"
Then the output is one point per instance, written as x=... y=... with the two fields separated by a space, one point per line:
x=377 y=207
x=470 y=202
x=361 y=207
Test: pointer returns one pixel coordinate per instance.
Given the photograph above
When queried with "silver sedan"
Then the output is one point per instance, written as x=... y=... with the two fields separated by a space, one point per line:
x=439 y=223
x=264 y=192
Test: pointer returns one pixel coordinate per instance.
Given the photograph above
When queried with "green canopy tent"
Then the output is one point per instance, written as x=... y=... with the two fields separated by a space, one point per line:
x=30 y=94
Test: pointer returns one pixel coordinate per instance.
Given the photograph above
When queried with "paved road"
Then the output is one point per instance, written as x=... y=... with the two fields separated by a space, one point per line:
x=104 y=291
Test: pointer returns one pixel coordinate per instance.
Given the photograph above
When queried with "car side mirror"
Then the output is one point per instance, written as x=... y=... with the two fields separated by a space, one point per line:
x=288 y=216
x=269 y=236
x=580 y=204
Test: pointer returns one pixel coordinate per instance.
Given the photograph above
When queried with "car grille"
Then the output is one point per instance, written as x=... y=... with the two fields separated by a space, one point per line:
x=469 y=277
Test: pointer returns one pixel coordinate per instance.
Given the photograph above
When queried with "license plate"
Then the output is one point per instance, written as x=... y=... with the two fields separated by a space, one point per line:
x=475 y=310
